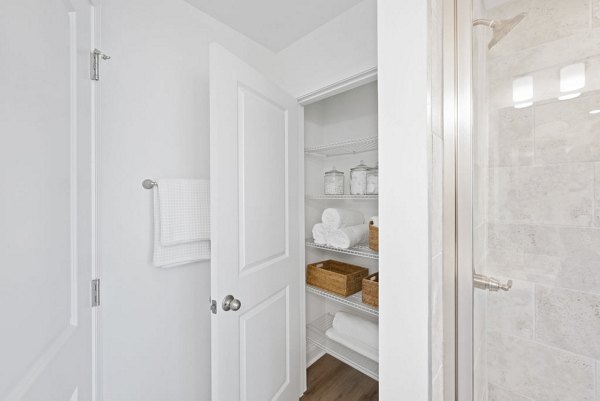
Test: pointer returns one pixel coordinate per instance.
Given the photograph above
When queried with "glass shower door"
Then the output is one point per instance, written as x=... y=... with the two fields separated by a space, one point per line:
x=535 y=197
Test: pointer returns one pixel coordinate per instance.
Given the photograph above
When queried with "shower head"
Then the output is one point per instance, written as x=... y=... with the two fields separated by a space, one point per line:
x=500 y=28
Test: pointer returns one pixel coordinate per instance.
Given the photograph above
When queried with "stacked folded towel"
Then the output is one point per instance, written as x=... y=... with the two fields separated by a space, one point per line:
x=356 y=333
x=341 y=228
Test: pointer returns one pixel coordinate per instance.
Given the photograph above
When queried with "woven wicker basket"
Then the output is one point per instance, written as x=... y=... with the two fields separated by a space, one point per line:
x=370 y=289
x=338 y=277
x=373 y=237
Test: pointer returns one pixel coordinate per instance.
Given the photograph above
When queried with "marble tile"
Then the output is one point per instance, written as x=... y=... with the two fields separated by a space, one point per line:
x=437 y=195
x=566 y=132
x=511 y=139
x=595 y=13
x=512 y=312
x=546 y=21
x=558 y=194
x=556 y=256
x=567 y=50
x=539 y=372
x=496 y=393
x=597 y=380
x=437 y=314
x=568 y=319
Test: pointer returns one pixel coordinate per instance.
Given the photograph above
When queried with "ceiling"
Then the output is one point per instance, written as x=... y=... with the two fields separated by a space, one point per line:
x=275 y=24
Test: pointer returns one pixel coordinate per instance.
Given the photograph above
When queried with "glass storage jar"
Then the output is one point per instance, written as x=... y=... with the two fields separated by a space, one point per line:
x=373 y=181
x=334 y=182
x=358 y=179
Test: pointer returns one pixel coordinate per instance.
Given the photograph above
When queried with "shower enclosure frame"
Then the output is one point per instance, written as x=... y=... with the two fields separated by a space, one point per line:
x=458 y=200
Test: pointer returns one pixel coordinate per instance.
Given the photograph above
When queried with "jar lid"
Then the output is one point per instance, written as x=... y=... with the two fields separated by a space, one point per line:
x=361 y=167
x=374 y=169
x=334 y=172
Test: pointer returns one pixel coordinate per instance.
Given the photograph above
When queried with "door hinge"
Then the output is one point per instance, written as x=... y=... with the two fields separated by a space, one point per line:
x=213 y=306
x=95 y=57
x=95 y=292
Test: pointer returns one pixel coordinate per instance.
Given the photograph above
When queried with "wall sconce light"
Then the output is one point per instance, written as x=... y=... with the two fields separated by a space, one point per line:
x=523 y=92
x=572 y=79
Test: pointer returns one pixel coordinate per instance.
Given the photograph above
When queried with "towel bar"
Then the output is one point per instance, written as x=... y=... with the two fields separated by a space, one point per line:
x=149 y=184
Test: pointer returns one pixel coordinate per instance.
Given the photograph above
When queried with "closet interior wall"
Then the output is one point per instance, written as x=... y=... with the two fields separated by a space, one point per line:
x=351 y=115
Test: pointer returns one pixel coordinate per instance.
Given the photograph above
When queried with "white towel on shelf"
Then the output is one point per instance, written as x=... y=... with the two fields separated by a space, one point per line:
x=319 y=232
x=334 y=218
x=184 y=208
x=179 y=253
x=353 y=344
x=348 y=237
x=358 y=328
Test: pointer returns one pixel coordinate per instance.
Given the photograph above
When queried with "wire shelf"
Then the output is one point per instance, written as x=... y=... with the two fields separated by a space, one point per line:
x=344 y=148
x=361 y=250
x=353 y=301
x=342 y=197
x=315 y=334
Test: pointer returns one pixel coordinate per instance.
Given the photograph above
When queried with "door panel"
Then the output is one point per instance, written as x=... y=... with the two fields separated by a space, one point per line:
x=264 y=334
x=255 y=244
x=45 y=207
x=263 y=185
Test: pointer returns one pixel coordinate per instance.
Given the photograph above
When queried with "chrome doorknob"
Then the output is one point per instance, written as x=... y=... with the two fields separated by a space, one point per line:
x=230 y=303
x=489 y=283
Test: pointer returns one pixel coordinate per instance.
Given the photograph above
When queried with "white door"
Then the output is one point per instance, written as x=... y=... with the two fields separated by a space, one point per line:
x=255 y=234
x=45 y=200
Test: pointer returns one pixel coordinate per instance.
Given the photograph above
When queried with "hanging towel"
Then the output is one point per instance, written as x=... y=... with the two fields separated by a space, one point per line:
x=358 y=328
x=348 y=237
x=179 y=253
x=184 y=210
x=353 y=344
x=338 y=218
x=319 y=232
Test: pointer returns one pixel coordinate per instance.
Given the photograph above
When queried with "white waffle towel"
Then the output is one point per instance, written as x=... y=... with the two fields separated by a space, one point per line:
x=181 y=222
x=334 y=218
x=184 y=207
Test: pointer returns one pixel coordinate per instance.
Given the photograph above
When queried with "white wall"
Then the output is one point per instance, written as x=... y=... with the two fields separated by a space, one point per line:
x=403 y=205
x=155 y=123
x=345 y=46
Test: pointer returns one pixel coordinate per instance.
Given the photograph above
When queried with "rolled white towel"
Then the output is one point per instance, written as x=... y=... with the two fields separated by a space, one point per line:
x=319 y=232
x=334 y=218
x=348 y=237
x=358 y=328
x=353 y=344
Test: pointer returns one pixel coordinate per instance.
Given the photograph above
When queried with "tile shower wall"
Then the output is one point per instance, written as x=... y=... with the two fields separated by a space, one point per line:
x=542 y=202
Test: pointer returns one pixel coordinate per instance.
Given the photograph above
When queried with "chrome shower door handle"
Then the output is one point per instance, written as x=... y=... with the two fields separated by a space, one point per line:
x=489 y=283
x=230 y=303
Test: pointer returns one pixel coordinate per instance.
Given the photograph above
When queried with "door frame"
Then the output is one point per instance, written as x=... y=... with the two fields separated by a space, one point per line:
x=458 y=201
x=334 y=88
x=96 y=152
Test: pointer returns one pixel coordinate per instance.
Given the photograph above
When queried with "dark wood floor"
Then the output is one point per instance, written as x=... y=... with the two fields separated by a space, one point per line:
x=332 y=380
